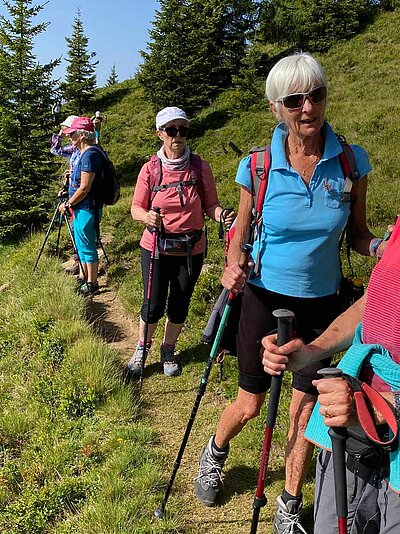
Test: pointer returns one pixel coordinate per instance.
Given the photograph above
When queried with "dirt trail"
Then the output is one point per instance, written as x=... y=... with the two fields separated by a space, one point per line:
x=169 y=403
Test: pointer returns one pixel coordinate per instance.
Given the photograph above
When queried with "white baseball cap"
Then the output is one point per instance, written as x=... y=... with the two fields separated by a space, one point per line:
x=169 y=114
x=68 y=121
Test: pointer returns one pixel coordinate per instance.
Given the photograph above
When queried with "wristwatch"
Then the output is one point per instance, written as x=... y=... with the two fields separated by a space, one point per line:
x=374 y=245
x=396 y=395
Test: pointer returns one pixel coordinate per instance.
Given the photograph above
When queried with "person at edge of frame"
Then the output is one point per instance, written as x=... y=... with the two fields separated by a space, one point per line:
x=373 y=493
x=182 y=213
x=304 y=213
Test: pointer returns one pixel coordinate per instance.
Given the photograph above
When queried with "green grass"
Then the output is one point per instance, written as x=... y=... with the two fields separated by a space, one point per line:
x=80 y=452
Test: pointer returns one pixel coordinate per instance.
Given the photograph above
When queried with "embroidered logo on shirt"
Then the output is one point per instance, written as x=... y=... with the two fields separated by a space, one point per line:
x=327 y=185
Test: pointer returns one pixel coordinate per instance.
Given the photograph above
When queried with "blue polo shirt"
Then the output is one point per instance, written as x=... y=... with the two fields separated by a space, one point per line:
x=299 y=253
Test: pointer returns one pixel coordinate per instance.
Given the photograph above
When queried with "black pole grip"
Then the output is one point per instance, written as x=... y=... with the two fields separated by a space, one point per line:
x=338 y=436
x=244 y=256
x=285 y=320
x=222 y=221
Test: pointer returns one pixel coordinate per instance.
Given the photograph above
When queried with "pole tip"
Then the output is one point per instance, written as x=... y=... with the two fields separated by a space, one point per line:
x=159 y=513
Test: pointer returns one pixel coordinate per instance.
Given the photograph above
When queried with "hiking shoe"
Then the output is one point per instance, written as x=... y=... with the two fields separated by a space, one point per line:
x=134 y=365
x=80 y=281
x=287 y=517
x=88 y=289
x=209 y=480
x=171 y=363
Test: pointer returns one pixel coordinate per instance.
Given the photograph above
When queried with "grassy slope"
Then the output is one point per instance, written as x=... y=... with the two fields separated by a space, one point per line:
x=73 y=437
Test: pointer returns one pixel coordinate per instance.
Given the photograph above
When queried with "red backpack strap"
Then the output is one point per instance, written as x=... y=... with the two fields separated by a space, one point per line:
x=155 y=176
x=349 y=169
x=260 y=165
x=197 y=172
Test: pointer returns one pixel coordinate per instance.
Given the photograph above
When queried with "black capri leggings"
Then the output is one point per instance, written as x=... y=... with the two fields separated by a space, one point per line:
x=169 y=273
x=256 y=321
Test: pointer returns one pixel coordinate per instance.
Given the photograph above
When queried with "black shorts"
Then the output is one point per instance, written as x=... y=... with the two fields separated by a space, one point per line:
x=171 y=286
x=312 y=315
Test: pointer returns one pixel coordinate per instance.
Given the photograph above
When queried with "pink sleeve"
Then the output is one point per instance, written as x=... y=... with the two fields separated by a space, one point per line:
x=210 y=189
x=141 y=194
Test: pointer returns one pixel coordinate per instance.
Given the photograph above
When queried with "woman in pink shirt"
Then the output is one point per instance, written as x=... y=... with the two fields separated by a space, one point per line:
x=373 y=487
x=182 y=186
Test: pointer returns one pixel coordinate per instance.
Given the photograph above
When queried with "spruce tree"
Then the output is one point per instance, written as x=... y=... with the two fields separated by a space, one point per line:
x=311 y=24
x=26 y=89
x=196 y=47
x=80 y=81
x=113 y=78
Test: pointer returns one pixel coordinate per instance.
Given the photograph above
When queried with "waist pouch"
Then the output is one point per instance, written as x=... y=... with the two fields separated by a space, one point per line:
x=367 y=444
x=364 y=451
x=179 y=243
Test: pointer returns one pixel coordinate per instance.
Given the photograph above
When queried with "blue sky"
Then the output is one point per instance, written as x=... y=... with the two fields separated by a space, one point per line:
x=117 y=30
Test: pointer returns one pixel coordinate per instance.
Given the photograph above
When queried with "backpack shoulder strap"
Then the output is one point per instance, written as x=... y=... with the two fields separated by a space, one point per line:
x=155 y=171
x=155 y=176
x=349 y=169
x=197 y=172
x=260 y=165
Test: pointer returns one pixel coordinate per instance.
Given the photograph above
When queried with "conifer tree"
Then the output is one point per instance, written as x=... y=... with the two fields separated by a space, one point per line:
x=196 y=47
x=26 y=90
x=80 y=81
x=113 y=78
x=311 y=24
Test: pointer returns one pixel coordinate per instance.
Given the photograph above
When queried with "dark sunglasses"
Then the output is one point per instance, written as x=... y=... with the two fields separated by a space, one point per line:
x=172 y=131
x=297 y=100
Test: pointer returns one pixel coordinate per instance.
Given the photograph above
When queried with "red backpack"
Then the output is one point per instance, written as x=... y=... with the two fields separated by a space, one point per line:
x=195 y=180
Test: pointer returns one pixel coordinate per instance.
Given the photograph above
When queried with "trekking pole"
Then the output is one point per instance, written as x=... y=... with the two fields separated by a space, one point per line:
x=219 y=360
x=60 y=219
x=338 y=436
x=60 y=200
x=104 y=251
x=159 y=513
x=285 y=319
x=153 y=254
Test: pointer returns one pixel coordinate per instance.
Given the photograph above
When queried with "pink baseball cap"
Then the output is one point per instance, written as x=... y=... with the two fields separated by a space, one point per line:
x=80 y=123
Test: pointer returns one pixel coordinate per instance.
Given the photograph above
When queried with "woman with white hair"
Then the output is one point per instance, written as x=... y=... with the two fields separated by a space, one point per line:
x=304 y=214
x=86 y=208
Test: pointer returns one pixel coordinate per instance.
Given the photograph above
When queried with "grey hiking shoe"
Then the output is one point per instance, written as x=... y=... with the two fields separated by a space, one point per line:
x=88 y=289
x=287 y=518
x=171 y=363
x=209 y=479
x=135 y=363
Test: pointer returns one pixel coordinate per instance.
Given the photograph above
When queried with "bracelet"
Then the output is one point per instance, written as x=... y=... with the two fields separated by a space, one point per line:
x=396 y=395
x=374 y=245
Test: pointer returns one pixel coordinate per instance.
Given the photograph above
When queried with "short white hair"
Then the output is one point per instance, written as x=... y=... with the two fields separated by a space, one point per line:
x=90 y=137
x=297 y=73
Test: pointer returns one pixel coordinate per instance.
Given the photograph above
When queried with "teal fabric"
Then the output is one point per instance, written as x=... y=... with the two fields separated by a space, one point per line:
x=359 y=355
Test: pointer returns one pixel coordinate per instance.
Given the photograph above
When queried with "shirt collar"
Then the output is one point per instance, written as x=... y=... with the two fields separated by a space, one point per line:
x=331 y=150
